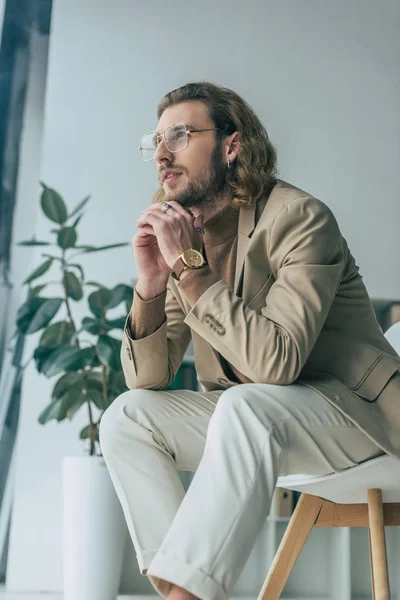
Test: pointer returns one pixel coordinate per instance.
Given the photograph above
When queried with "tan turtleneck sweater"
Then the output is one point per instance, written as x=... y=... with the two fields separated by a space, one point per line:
x=219 y=249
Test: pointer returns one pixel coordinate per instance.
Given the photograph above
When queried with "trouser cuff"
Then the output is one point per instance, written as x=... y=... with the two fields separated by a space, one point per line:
x=171 y=570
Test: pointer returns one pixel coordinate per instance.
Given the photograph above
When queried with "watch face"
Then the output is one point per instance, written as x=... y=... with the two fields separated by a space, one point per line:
x=192 y=258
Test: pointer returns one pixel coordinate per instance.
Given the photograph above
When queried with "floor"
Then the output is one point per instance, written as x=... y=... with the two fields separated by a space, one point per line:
x=47 y=596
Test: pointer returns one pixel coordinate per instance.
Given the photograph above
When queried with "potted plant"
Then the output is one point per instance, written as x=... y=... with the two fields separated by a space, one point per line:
x=85 y=361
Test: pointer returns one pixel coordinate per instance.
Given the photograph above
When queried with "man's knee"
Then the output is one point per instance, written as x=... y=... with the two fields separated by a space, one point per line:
x=243 y=395
x=264 y=401
x=132 y=403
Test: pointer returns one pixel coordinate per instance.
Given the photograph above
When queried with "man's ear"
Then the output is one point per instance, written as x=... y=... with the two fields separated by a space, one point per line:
x=232 y=147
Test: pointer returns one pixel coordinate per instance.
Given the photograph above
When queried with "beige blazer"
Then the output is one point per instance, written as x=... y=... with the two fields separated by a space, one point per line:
x=299 y=313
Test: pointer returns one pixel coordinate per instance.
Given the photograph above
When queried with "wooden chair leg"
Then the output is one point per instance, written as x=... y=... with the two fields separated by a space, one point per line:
x=371 y=566
x=296 y=534
x=380 y=571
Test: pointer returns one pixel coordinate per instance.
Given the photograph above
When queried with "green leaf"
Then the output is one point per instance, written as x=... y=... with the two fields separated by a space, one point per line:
x=59 y=360
x=98 y=301
x=79 y=206
x=108 y=350
x=33 y=243
x=53 y=206
x=79 y=269
x=120 y=293
x=67 y=237
x=66 y=382
x=67 y=358
x=51 y=256
x=40 y=270
x=73 y=399
x=94 y=283
x=92 y=326
x=36 y=291
x=75 y=336
x=75 y=223
x=85 y=432
x=96 y=396
x=40 y=355
x=70 y=404
x=115 y=384
x=118 y=323
x=73 y=286
x=57 y=334
x=36 y=313
x=50 y=412
x=99 y=248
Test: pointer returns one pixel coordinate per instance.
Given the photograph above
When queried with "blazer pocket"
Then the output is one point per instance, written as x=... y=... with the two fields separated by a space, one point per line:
x=376 y=378
x=258 y=301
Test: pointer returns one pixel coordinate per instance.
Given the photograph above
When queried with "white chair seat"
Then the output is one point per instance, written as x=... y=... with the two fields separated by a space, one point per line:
x=350 y=486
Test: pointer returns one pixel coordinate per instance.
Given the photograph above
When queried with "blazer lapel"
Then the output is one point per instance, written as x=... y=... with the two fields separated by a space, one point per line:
x=245 y=229
x=248 y=219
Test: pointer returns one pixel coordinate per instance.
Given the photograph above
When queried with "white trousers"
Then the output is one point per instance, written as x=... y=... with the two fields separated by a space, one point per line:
x=238 y=441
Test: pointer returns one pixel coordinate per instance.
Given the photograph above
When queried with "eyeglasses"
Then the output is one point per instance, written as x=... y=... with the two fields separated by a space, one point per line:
x=176 y=138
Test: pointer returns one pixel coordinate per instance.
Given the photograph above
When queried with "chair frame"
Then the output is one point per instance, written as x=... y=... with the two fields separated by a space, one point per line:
x=313 y=511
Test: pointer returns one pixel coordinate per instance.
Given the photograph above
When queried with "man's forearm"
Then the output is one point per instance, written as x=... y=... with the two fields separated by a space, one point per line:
x=147 y=312
x=193 y=283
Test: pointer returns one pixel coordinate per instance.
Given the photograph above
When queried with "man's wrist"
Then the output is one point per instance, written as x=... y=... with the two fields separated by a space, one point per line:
x=149 y=291
x=185 y=273
x=188 y=270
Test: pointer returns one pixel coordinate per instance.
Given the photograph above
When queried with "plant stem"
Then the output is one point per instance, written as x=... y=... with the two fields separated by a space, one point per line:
x=91 y=424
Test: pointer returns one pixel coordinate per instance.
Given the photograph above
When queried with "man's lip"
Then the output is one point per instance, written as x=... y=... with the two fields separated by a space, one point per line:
x=168 y=173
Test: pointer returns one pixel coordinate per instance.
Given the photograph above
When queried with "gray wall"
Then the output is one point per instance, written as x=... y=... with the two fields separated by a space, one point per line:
x=322 y=75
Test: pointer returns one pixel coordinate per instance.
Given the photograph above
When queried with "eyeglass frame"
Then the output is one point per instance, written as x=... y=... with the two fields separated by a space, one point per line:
x=162 y=136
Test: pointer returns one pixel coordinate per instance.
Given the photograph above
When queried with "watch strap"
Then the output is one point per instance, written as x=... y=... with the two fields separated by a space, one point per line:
x=178 y=268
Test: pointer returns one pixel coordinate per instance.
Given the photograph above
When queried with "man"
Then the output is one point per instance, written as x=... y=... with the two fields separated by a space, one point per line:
x=296 y=375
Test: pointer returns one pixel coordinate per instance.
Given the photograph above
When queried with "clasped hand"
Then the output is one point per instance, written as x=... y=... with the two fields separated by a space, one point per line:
x=174 y=229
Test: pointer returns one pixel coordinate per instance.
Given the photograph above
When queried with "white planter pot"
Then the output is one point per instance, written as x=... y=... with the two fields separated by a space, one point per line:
x=95 y=530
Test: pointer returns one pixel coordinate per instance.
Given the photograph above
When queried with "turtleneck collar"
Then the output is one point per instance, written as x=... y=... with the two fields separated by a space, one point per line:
x=221 y=227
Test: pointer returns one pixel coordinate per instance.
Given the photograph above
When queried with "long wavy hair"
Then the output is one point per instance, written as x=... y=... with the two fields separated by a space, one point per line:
x=254 y=171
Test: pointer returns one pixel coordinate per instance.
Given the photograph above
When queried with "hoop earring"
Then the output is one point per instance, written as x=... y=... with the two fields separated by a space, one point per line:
x=228 y=164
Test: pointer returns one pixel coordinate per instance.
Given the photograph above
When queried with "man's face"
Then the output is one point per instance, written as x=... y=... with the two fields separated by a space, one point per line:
x=198 y=171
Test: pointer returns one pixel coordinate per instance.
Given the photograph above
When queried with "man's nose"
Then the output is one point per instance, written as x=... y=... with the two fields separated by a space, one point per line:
x=162 y=152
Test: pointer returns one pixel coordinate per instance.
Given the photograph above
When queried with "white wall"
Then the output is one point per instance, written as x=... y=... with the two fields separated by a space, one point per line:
x=323 y=76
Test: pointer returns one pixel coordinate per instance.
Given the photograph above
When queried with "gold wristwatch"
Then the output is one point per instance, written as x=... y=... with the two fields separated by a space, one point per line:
x=188 y=259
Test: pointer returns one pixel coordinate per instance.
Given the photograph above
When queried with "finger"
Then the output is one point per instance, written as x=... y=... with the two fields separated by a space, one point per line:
x=176 y=209
x=145 y=230
x=185 y=212
x=148 y=218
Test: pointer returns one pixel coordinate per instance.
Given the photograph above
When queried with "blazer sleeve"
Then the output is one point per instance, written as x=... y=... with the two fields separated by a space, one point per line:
x=152 y=362
x=305 y=252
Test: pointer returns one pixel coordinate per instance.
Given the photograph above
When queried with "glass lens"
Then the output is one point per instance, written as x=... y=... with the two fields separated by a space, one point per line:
x=176 y=137
x=148 y=145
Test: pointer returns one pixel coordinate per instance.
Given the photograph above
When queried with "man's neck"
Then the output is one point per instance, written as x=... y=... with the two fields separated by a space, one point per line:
x=208 y=212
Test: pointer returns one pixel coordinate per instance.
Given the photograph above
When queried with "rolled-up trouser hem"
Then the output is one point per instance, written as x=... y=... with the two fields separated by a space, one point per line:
x=170 y=569
x=144 y=558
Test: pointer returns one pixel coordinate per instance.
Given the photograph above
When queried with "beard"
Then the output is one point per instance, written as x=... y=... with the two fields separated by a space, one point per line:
x=206 y=188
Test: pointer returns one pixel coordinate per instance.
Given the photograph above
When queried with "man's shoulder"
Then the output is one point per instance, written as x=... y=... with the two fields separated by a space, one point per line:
x=284 y=193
